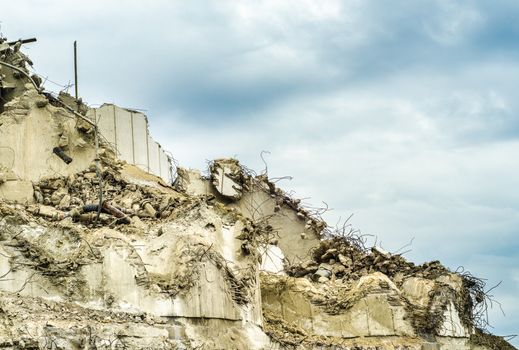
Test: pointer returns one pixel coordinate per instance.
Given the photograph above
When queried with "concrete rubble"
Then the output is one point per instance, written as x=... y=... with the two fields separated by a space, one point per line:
x=98 y=253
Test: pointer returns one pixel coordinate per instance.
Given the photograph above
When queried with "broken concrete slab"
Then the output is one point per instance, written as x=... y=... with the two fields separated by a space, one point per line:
x=17 y=191
x=227 y=176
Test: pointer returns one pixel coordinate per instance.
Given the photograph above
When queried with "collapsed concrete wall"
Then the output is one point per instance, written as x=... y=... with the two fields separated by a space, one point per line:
x=158 y=276
x=285 y=222
x=41 y=136
x=104 y=255
x=321 y=288
x=183 y=271
x=127 y=131
x=30 y=130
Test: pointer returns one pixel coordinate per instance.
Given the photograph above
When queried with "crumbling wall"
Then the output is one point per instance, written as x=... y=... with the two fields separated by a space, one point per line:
x=322 y=288
x=183 y=272
x=30 y=130
x=127 y=131
x=106 y=255
x=286 y=224
x=185 y=267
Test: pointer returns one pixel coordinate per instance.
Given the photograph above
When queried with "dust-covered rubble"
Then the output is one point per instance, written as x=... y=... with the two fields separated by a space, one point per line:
x=97 y=253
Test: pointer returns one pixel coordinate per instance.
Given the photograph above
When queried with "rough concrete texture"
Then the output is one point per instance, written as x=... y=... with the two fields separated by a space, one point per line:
x=284 y=221
x=30 y=133
x=108 y=256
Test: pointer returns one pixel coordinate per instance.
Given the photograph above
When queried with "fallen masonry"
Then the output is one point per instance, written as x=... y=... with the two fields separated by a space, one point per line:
x=98 y=250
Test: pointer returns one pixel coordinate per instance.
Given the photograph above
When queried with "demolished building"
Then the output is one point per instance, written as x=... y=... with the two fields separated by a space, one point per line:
x=99 y=249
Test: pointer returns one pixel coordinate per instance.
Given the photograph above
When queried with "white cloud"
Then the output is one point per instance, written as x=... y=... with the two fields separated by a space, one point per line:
x=453 y=21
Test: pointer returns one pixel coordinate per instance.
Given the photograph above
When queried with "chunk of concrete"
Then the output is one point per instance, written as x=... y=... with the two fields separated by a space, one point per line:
x=17 y=191
x=324 y=270
x=225 y=174
x=417 y=290
x=191 y=182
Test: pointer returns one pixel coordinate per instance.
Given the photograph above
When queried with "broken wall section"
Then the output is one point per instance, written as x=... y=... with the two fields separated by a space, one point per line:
x=289 y=231
x=127 y=131
x=30 y=129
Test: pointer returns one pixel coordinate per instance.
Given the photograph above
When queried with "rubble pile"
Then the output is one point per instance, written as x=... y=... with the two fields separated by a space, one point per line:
x=97 y=253
x=79 y=194
x=14 y=73
x=339 y=261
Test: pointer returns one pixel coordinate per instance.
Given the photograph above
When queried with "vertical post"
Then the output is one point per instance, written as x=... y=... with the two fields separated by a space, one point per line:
x=75 y=73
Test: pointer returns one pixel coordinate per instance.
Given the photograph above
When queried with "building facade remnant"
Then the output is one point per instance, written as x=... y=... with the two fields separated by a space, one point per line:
x=100 y=250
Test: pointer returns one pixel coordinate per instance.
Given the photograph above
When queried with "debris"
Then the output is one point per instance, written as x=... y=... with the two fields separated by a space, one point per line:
x=227 y=176
x=223 y=261
x=149 y=209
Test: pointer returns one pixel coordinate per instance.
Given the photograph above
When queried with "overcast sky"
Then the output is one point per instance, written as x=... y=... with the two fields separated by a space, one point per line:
x=402 y=113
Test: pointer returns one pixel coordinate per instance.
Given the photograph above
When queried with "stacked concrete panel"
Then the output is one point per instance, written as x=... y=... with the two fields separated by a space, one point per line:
x=127 y=131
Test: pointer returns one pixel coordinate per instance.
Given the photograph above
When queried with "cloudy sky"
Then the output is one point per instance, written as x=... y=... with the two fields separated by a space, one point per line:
x=402 y=113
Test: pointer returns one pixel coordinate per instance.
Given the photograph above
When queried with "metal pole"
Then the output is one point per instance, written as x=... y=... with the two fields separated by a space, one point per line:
x=75 y=73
